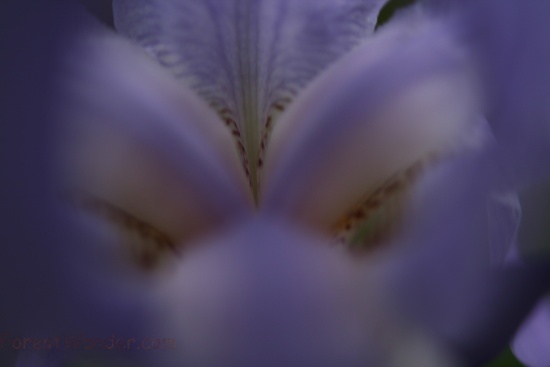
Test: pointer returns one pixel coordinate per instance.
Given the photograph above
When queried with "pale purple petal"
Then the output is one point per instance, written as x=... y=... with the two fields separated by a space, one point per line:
x=532 y=342
x=443 y=276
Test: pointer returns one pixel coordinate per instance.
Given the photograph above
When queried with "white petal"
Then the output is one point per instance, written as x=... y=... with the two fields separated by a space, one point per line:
x=399 y=99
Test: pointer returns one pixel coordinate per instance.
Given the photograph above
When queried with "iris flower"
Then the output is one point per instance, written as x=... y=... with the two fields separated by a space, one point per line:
x=272 y=135
x=284 y=185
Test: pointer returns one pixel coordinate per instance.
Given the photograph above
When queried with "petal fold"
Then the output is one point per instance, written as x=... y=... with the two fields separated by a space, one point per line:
x=504 y=215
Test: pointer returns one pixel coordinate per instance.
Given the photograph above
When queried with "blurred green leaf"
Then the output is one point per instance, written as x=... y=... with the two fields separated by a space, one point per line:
x=506 y=359
x=390 y=9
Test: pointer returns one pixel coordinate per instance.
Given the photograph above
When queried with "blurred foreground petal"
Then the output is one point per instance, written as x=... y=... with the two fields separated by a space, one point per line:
x=269 y=294
x=144 y=144
x=444 y=278
x=372 y=118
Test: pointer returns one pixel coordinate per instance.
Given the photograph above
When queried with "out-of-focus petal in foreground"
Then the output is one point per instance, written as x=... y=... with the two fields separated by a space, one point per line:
x=137 y=140
x=269 y=293
x=370 y=122
x=512 y=45
x=444 y=277
x=510 y=41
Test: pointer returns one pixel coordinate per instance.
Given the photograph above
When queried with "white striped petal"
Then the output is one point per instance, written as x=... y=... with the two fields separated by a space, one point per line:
x=246 y=58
